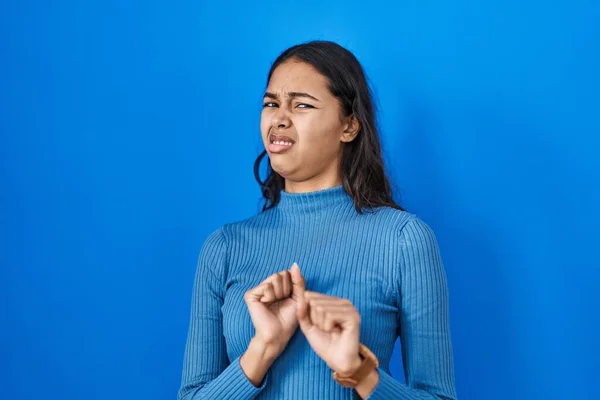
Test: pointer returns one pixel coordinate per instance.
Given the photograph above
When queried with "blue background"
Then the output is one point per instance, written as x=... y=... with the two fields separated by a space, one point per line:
x=128 y=133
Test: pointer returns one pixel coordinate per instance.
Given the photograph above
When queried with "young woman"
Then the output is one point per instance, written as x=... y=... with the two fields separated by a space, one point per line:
x=363 y=270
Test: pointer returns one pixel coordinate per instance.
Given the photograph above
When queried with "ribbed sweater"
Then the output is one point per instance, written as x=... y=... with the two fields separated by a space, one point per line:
x=385 y=261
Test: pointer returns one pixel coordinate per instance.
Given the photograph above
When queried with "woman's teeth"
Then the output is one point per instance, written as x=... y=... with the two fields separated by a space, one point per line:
x=282 y=143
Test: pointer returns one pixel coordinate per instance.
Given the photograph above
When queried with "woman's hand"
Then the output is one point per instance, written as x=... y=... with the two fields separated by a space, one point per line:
x=332 y=327
x=272 y=306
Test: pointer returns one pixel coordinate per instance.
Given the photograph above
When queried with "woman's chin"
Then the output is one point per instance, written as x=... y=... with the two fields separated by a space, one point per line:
x=282 y=170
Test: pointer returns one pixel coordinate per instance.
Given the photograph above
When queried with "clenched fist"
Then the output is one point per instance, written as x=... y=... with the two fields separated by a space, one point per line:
x=332 y=327
x=272 y=306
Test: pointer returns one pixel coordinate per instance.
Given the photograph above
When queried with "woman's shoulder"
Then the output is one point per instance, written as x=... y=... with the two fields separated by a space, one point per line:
x=390 y=217
x=230 y=230
x=402 y=223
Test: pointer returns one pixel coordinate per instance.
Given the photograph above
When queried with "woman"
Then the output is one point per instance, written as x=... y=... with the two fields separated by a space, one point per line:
x=363 y=270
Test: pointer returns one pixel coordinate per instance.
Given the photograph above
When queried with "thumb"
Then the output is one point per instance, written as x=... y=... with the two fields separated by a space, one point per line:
x=298 y=282
x=299 y=288
x=302 y=313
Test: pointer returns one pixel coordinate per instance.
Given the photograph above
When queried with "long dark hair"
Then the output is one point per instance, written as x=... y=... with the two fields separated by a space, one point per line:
x=361 y=167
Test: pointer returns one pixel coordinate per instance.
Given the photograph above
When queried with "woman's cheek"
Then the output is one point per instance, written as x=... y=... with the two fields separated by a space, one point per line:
x=264 y=132
x=310 y=150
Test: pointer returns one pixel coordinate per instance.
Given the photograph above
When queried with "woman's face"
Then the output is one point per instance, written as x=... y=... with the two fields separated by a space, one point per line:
x=302 y=125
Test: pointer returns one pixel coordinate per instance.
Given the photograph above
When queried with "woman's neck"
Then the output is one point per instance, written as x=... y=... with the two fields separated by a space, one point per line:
x=313 y=201
x=311 y=185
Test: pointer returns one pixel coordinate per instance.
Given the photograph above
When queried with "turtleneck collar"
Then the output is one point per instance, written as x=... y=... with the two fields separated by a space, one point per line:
x=313 y=201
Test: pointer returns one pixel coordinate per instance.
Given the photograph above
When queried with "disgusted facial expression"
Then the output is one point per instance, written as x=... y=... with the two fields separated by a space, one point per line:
x=302 y=125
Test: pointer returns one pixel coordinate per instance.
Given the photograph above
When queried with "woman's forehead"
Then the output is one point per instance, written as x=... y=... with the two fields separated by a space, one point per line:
x=297 y=77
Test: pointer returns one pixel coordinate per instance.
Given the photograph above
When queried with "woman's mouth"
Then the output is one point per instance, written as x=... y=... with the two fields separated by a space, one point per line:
x=280 y=146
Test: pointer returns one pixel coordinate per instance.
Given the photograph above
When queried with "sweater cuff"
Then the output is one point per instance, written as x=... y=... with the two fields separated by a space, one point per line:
x=236 y=385
x=390 y=388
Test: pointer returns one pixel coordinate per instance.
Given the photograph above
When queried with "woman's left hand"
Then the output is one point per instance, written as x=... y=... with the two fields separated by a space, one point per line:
x=332 y=327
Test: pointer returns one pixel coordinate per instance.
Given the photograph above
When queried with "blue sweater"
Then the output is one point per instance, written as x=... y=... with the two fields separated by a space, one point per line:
x=387 y=262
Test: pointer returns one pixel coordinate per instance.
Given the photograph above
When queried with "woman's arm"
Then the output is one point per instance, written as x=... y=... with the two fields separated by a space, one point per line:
x=207 y=373
x=424 y=322
x=256 y=361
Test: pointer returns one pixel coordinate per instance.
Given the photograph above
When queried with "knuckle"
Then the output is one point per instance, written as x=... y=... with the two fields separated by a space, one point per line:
x=346 y=369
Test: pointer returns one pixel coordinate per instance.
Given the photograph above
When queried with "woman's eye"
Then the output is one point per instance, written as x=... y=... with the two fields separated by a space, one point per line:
x=269 y=104
x=304 y=105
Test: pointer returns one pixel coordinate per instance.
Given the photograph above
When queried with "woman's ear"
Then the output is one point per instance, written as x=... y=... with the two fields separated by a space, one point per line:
x=351 y=128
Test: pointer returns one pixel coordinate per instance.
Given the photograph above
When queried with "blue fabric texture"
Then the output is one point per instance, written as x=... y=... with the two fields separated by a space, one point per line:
x=386 y=261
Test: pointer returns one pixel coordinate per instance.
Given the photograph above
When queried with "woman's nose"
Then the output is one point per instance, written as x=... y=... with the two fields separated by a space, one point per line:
x=281 y=119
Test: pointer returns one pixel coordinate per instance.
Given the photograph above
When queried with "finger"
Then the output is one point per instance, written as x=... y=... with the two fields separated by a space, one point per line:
x=256 y=293
x=345 y=319
x=328 y=321
x=298 y=282
x=286 y=282
x=337 y=320
x=334 y=321
x=330 y=303
x=277 y=282
x=330 y=307
x=322 y=312
x=268 y=293
x=316 y=315
x=326 y=317
x=316 y=295
x=303 y=314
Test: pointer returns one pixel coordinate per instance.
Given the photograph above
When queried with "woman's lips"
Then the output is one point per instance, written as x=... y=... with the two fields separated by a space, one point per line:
x=279 y=148
x=279 y=143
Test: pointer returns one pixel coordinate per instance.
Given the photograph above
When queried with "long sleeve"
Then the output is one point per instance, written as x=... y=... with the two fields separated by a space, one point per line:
x=424 y=322
x=207 y=372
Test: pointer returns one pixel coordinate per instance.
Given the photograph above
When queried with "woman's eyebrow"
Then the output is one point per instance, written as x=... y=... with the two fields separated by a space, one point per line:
x=291 y=95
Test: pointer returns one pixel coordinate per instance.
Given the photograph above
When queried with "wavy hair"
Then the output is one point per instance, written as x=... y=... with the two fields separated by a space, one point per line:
x=361 y=167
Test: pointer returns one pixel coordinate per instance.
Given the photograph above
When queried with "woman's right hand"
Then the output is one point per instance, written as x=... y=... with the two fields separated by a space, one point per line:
x=272 y=306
